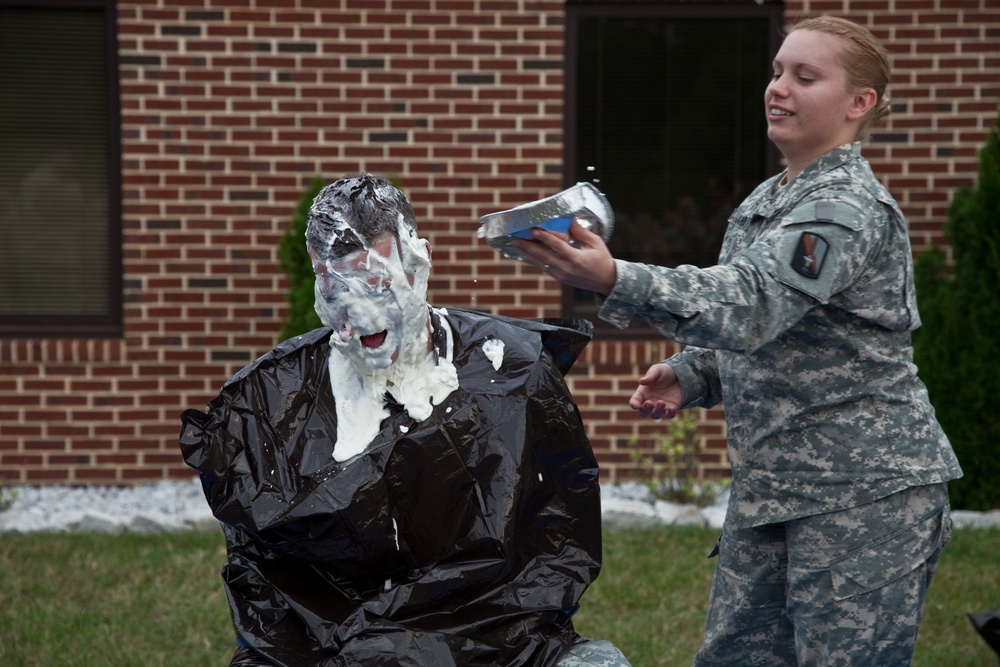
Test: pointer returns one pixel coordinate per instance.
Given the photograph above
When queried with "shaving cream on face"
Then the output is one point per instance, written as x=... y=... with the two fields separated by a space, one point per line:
x=375 y=301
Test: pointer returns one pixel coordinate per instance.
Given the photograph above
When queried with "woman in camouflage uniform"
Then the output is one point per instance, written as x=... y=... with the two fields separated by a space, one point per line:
x=839 y=504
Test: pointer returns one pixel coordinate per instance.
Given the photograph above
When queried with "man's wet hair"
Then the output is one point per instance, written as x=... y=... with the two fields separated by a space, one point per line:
x=351 y=213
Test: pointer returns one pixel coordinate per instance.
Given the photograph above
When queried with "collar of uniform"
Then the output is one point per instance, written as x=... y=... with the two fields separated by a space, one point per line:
x=838 y=157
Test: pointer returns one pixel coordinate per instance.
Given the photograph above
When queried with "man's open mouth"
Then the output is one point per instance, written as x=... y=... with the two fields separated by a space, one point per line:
x=372 y=341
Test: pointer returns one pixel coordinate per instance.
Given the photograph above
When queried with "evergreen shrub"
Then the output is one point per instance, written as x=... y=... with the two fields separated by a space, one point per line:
x=957 y=350
x=295 y=263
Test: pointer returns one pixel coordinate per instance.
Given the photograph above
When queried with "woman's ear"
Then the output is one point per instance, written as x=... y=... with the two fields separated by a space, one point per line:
x=862 y=102
x=427 y=245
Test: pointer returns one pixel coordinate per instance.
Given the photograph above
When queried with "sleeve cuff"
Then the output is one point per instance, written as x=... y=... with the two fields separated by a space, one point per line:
x=629 y=295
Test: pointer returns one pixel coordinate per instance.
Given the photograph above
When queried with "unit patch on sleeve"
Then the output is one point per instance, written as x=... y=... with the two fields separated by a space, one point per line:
x=809 y=255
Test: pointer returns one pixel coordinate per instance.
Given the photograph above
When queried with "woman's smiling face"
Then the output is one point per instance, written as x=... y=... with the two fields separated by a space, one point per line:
x=809 y=105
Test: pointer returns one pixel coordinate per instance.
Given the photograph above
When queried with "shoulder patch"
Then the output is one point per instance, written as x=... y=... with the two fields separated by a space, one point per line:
x=810 y=254
x=826 y=211
x=840 y=213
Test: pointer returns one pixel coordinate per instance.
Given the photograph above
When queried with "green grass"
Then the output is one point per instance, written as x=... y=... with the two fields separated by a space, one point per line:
x=122 y=600
x=652 y=596
x=130 y=600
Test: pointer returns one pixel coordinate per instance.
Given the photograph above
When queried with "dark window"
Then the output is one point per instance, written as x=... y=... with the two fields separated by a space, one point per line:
x=665 y=114
x=60 y=220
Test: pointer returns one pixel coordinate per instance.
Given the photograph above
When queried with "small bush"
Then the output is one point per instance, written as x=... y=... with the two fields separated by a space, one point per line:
x=957 y=348
x=675 y=463
x=295 y=263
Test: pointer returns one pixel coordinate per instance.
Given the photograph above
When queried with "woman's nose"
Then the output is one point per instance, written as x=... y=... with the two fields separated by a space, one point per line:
x=777 y=87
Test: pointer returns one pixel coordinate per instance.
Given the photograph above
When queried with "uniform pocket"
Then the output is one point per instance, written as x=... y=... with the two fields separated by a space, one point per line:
x=889 y=559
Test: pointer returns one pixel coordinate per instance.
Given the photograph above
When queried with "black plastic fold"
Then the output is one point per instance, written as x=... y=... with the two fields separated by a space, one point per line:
x=465 y=539
x=987 y=624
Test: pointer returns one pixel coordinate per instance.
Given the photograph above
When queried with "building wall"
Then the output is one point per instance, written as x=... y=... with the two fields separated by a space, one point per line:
x=230 y=107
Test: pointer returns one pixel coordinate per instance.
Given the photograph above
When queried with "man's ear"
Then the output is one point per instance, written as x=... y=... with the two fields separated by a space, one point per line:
x=862 y=102
x=427 y=247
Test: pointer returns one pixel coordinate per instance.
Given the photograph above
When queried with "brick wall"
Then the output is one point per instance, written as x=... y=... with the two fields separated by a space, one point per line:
x=229 y=107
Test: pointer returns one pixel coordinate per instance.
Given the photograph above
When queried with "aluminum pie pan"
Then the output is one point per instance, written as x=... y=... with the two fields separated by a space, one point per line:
x=582 y=202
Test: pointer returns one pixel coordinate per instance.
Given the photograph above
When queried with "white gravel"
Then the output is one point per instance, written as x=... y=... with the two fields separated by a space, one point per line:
x=174 y=506
x=146 y=508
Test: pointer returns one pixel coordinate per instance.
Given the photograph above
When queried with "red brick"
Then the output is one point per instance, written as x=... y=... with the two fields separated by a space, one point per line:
x=52 y=475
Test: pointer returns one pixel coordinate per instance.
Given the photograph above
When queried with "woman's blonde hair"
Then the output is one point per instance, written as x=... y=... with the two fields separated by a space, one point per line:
x=864 y=59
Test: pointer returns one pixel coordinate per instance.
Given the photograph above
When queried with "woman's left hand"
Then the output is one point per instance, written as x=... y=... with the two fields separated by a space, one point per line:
x=589 y=265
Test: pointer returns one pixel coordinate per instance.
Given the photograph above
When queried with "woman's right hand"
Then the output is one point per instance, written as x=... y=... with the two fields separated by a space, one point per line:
x=658 y=394
x=588 y=264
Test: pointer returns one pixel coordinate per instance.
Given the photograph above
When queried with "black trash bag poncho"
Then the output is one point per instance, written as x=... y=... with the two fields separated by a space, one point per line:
x=464 y=539
x=987 y=624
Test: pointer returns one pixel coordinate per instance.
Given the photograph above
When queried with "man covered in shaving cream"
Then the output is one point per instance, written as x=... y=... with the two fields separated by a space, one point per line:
x=406 y=485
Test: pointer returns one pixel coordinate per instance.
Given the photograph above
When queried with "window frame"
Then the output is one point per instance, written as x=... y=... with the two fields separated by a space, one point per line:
x=110 y=325
x=772 y=11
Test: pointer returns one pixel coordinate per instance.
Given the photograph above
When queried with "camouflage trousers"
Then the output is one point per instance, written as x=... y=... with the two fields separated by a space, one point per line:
x=586 y=653
x=842 y=589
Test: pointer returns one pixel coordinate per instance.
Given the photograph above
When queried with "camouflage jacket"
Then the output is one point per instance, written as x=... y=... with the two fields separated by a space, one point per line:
x=803 y=331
